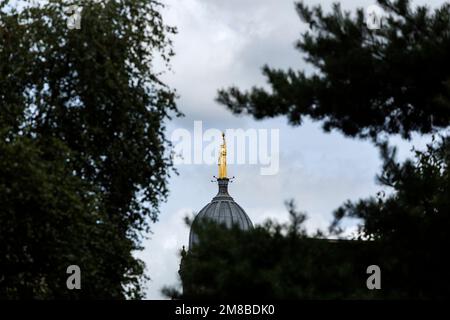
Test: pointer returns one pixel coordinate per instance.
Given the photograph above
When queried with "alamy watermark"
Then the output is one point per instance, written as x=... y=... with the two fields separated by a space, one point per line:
x=374 y=280
x=251 y=146
x=74 y=280
x=74 y=17
x=374 y=17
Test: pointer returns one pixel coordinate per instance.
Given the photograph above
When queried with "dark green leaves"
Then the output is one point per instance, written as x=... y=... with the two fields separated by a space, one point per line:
x=366 y=82
x=93 y=93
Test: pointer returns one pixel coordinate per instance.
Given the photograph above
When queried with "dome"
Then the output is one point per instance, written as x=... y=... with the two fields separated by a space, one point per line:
x=223 y=210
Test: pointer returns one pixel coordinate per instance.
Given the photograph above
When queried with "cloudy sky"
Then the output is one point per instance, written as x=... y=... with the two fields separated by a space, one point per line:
x=222 y=43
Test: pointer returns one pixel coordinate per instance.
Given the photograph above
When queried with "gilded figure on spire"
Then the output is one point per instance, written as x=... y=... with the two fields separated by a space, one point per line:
x=223 y=159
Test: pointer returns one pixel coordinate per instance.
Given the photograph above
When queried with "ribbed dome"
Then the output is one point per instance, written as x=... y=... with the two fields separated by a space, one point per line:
x=223 y=210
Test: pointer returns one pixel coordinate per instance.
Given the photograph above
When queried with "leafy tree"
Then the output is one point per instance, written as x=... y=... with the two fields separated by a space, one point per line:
x=412 y=222
x=51 y=219
x=83 y=154
x=395 y=79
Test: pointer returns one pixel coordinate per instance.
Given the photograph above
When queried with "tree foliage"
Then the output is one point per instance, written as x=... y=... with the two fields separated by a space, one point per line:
x=391 y=80
x=83 y=154
x=412 y=222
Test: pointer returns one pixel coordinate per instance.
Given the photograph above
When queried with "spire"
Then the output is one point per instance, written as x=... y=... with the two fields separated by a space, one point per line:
x=223 y=159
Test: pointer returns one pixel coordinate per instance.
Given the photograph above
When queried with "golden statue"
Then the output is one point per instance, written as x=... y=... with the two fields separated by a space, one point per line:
x=223 y=159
